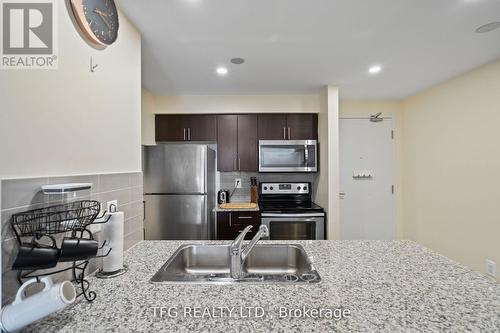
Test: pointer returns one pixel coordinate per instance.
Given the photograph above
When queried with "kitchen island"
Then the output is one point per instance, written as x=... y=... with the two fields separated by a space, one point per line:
x=390 y=286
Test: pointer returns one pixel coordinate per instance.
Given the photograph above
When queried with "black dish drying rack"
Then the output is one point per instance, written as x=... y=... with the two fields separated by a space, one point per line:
x=72 y=218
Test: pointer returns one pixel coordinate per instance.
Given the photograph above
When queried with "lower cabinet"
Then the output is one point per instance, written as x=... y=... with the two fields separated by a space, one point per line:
x=230 y=224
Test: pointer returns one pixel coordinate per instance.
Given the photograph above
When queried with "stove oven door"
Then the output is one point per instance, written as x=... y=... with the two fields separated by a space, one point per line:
x=294 y=226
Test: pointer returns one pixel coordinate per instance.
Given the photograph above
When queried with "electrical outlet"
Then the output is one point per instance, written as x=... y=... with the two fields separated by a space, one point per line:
x=237 y=182
x=110 y=203
x=491 y=268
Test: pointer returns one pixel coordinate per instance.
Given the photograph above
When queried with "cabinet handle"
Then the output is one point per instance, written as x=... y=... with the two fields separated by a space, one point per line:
x=184 y=130
x=284 y=133
x=189 y=133
x=245 y=217
x=239 y=164
x=289 y=131
x=230 y=219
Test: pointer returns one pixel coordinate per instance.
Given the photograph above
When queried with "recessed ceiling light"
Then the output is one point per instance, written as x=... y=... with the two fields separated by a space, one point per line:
x=375 y=69
x=488 y=27
x=221 y=71
x=237 y=61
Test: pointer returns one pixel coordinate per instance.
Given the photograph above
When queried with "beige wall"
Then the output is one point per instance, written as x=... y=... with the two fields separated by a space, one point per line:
x=70 y=121
x=390 y=109
x=237 y=103
x=148 y=118
x=451 y=160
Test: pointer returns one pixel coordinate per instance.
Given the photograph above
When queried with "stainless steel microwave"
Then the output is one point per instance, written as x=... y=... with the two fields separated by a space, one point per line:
x=288 y=156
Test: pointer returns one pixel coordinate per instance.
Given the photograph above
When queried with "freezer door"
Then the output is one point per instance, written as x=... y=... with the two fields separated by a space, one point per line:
x=176 y=217
x=175 y=169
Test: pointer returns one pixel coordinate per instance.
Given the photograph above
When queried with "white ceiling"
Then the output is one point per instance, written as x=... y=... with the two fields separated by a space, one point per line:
x=297 y=46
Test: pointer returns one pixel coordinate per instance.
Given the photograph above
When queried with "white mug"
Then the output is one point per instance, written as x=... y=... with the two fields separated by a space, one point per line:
x=26 y=310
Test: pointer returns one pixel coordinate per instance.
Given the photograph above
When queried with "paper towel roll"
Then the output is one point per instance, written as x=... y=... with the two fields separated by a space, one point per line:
x=113 y=232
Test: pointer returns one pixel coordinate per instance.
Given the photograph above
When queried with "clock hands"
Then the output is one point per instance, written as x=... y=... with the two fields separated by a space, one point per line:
x=103 y=17
x=100 y=12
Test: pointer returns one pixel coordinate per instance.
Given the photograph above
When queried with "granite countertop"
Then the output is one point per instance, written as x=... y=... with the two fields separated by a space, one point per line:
x=387 y=286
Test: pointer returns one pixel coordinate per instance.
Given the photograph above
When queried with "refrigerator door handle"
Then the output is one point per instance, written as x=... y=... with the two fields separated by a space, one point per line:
x=205 y=210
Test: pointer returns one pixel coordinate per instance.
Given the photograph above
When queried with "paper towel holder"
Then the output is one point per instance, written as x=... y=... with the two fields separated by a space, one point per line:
x=106 y=275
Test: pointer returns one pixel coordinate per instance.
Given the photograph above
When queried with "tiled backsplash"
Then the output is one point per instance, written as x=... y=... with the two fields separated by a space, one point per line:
x=24 y=194
x=243 y=194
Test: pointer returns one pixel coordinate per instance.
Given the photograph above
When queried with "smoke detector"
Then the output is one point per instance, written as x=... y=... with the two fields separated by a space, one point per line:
x=237 y=61
x=488 y=27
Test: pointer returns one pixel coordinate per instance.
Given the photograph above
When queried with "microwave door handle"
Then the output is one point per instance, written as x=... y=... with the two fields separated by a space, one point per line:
x=306 y=156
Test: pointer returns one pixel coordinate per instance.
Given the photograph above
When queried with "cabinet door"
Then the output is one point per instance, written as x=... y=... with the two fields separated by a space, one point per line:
x=247 y=143
x=272 y=127
x=230 y=224
x=201 y=127
x=302 y=126
x=227 y=142
x=169 y=128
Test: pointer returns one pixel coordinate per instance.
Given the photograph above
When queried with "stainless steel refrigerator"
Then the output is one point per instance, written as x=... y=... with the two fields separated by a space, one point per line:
x=179 y=186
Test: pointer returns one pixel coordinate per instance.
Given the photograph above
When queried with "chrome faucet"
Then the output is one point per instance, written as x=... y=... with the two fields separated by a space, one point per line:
x=238 y=255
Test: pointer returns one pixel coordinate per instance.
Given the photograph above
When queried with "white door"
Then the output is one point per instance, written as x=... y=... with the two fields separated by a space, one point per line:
x=367 y=205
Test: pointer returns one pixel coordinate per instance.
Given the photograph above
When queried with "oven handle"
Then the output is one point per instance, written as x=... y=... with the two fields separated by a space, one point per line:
x=293 y=215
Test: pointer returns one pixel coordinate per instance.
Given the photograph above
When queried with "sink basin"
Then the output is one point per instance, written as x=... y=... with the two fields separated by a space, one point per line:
x=266 y=263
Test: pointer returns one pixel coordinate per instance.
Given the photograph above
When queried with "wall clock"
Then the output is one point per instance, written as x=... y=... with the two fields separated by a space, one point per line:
x=97 y=19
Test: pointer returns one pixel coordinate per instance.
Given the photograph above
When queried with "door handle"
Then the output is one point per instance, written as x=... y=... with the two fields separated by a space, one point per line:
x=239 y=164
x=284 y=133
x=289 y=131
x=189 y=133
x=184 y=130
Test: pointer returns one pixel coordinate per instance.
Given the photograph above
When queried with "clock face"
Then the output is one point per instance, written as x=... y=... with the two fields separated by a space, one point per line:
x=98 y=19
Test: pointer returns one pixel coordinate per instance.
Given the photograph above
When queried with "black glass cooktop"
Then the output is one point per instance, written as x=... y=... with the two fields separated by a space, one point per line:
x=289 y=206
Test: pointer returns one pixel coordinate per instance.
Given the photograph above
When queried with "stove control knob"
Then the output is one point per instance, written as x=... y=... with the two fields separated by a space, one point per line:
x=305 y=188
x=271 y=188
x=265 y=188
x=298 y=188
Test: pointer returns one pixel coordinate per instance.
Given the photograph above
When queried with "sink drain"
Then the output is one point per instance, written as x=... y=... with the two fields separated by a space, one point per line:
x=291 y=277
x=308 y=277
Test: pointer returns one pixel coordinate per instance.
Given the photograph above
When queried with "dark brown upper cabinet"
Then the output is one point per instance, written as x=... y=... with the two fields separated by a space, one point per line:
x=302 y=126
x=186 y=128
x=288 y=127
x=272 y=126
x=237 y=143
x=169 y=128
x=227 y=142
x=247 y=143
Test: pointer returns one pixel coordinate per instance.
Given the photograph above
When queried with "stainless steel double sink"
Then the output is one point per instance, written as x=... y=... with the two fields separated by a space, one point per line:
x=266 y=263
